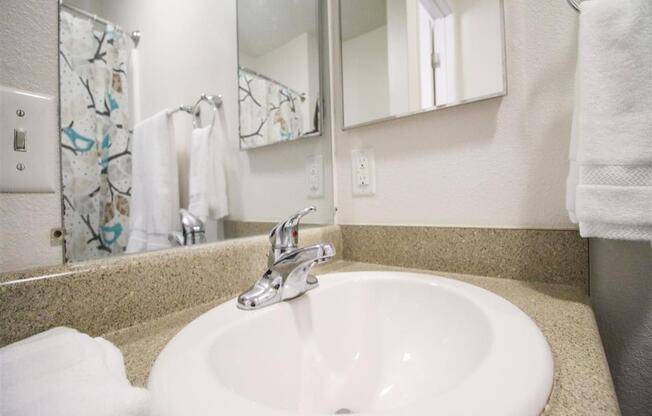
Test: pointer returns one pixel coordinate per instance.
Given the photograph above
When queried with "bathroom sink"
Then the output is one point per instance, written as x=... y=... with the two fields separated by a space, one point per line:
x=361 y=343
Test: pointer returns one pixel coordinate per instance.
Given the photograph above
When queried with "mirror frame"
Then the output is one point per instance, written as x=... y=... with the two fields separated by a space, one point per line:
x=321 y=44
x=344 y=127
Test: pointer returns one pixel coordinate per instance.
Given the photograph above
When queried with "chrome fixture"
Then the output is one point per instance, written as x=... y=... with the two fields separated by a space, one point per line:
x=284 y=236
x=215 y=102
x=192 y=228
x=288 y=273
x=135 y=36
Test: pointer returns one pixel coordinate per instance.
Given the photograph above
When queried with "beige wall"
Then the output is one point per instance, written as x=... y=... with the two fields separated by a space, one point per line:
x=365 y=76
x=28 y=61
x=497 y=163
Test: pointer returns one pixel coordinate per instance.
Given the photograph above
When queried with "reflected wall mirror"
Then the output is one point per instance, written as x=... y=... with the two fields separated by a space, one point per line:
x=401 y=57
x=279 y=77
x=149 y=98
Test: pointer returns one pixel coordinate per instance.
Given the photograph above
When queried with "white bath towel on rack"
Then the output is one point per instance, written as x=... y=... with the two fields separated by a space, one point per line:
x=154 y=210
x=610 y=184
x=207 y=180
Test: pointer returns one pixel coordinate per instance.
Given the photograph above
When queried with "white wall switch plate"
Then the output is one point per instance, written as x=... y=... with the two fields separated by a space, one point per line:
x=28 y=148
x=315 y=176
x=363 y=171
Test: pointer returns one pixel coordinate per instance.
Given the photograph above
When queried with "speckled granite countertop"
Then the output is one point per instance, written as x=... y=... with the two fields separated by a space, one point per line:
x=583 y=384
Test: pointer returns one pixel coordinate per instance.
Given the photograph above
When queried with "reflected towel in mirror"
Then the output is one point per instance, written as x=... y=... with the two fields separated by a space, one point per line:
x=155 y=185
x=207 y=181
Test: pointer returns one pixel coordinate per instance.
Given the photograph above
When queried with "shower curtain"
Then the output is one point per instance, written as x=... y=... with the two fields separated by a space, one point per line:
x=269 y=111
x=95 y=138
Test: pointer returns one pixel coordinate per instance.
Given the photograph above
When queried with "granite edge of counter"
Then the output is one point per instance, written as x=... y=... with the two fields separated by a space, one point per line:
x=583 y=383
x=136 y=288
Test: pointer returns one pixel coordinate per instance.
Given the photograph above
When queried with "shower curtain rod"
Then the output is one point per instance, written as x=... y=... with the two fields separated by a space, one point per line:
x=302 y=95
x=135 y=35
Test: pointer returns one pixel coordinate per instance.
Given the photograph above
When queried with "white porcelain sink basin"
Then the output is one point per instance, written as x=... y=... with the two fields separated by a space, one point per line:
x=361 y=343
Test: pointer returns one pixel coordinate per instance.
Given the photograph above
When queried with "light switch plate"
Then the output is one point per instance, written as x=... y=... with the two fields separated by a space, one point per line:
x=363 y=171
x=32 y=170
x=315 y=176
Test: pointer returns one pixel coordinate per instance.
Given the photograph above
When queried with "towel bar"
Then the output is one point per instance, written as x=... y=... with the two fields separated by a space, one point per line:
x=214 y=100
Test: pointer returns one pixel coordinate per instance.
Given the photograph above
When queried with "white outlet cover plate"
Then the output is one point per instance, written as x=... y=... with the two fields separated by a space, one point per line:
x=38 y=173
x=363 y=178
x=315 y=176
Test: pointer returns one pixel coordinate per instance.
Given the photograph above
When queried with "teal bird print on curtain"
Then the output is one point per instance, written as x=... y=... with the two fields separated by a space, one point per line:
x=79 y=142
x=111 y=234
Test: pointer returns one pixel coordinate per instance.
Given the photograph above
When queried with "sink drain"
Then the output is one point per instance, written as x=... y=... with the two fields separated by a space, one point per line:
x=343 y=411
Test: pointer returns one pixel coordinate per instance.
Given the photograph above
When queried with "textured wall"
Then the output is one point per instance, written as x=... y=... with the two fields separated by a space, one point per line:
x=28 y=61
x=621 y=291
x=496 y=163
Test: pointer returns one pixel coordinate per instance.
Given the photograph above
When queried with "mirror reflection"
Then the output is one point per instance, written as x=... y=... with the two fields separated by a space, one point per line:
x=278 y=73
x=150 y=153
x=406 y=56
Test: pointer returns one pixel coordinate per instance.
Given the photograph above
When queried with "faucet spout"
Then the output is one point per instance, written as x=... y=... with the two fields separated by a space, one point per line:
x=287 y=278
x=288 y=267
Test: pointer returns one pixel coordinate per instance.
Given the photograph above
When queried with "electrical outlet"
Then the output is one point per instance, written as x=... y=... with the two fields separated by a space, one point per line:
x=363 y=171
x=315 y=176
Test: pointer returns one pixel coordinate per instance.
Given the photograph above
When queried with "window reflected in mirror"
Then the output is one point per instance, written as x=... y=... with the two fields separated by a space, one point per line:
x=406 y=56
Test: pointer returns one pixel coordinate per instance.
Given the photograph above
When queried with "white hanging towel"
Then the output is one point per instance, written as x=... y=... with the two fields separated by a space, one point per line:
x=610 y=181
x=62 y=372
x=207 y=181
x=154 y=210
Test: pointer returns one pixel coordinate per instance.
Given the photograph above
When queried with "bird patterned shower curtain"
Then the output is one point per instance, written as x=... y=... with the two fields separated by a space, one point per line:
x=270 y=112
x=95 y=138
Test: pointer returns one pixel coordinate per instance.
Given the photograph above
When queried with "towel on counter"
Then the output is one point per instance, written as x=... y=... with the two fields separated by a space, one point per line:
x=154 y=210
x=62 y=372
x=610 y=180
x=207 y=181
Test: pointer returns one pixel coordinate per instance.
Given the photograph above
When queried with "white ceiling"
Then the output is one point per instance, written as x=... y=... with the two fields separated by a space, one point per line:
x=362 y=16
x=264 y=25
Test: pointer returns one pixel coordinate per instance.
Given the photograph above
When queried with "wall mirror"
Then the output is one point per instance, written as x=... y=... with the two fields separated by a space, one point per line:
x=149 y=121
x=401 y=57
x=279 y=76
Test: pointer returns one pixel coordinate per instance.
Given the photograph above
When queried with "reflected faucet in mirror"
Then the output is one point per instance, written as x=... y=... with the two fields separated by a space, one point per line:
x=192 y=230
x=288 y=273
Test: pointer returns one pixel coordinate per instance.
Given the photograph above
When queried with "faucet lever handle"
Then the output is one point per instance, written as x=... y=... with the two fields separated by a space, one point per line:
x=285 y=235
x=192 y=227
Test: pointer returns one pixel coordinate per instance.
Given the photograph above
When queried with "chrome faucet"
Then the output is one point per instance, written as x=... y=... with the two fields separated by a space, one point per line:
x=288 y=272
x=193 y=231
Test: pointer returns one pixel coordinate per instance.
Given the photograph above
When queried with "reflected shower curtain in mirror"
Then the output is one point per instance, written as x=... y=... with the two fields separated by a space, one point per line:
x=95 y=138
x=270 y=112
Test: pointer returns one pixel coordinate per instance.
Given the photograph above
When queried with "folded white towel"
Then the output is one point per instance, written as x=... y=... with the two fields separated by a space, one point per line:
x=207 y=181
x=613 y=124
x=62 y=372
x=154 y=210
